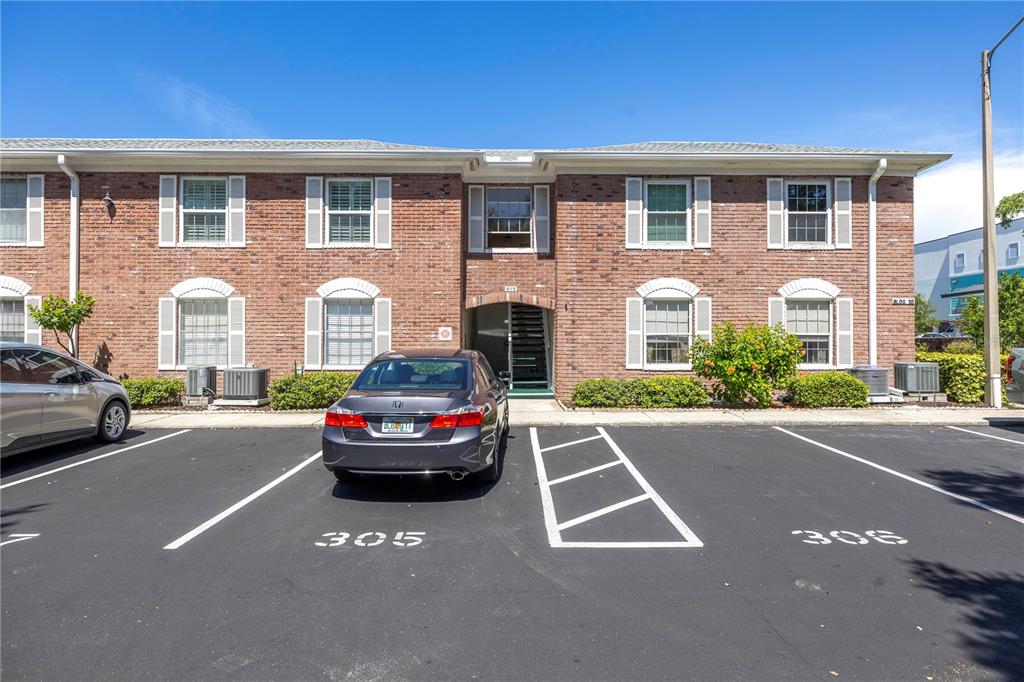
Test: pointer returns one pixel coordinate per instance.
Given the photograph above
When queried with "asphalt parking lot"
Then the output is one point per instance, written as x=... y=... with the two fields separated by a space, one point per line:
x=618 y=553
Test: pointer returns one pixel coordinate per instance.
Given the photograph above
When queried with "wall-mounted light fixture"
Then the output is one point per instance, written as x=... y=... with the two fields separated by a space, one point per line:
x=109 y=203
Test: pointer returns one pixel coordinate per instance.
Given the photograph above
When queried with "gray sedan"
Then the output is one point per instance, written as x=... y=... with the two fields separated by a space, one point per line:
x=47 y=397
x=419 y=412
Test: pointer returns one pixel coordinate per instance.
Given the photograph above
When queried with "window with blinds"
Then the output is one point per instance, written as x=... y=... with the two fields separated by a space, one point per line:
x=811 y=322
x=204 y=209
x=349 y=211
x=667 y=204
x=203 y=332
x=509 y=217
x=667 y=332
x=13 y=210
x=12 y=319
x=348 y=331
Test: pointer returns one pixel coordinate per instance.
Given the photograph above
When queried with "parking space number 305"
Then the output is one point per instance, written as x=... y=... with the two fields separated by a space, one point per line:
x=373 y=538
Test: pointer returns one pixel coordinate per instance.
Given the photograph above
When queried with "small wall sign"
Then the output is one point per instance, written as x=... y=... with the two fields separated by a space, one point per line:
x=444 y=333
x=903 y=301
x=511 y=288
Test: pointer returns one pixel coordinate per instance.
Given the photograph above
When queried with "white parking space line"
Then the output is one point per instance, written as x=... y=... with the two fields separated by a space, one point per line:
x=118 y=451
x=976 y=503
x=601 y=512
x=570 y=443
x=554 y=528
x=586 y=472
x=19 y=537
x=986 y=435
x=241 y=503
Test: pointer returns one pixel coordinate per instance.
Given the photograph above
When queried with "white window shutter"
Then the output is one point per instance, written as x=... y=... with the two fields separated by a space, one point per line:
x=476 y=219
x=166 y=331
x=236 y=210
x=382 y=213
x=776 y=214
x=542 y=218
x=844 y=332
x=702 y=317
x=33 y=333
x=314 y=319
x=236 y=332
x=634 y=212
x=381 y=325
x=314 y=212
x=702 y=212
x=168 y=210
x=36 y=189
x=634 y=333
x=776 y=311
x=844 y=213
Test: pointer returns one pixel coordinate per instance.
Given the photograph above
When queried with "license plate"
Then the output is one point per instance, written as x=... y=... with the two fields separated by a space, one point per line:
x=397 y=425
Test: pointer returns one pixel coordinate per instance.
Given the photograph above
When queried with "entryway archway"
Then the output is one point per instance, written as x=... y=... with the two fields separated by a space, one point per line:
x=516 y=338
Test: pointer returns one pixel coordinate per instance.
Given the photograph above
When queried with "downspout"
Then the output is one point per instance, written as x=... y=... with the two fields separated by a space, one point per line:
x=873 y=262
x=73 y=237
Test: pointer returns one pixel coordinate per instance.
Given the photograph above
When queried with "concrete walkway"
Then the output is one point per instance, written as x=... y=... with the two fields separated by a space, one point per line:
x=550 y=413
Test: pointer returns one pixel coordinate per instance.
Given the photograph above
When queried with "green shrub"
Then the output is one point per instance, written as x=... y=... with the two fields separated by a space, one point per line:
x=154 y=392
x=309 y=391
x=961 y=377
x=747 y=365
x=964 y=347
x=829 y=389
x=668 y=391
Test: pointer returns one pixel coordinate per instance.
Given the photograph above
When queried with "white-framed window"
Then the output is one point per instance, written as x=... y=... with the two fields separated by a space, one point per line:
x=959 y=262
x=13 y=210
x=811 y=321
x=204 y=210
x=1013 y=252
x=808 y=213
x=667 y=331
x=667 y=213
x=203 y=332
x=12 y=319
x=348 y=323
x=348 y=331
x=349 y=207
x=509 y=218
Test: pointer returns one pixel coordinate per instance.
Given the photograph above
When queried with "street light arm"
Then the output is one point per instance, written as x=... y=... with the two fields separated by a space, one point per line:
x=1003 y=39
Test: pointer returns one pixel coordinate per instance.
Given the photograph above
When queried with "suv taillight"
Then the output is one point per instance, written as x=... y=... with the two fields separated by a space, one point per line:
x=1010 y=359
x=473 y=417
x=347 y=421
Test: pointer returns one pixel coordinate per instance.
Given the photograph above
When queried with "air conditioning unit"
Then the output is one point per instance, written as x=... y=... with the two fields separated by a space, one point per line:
x=201 y=381
x=246 y=383
x=917 y=377
x=877 y=378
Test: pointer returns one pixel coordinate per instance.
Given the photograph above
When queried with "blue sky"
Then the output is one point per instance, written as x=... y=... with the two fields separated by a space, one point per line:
x=519 y=75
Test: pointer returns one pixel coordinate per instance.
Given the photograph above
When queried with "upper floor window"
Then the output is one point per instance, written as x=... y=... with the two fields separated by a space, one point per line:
x=666 y=205
x=509 y=214
x=807 y=212
x=1013 y=252
x=13 y=210
x=349 y=211
x=204 y=210
x=959 y=262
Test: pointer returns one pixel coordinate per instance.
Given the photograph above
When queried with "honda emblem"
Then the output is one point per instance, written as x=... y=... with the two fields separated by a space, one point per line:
x=397 y=404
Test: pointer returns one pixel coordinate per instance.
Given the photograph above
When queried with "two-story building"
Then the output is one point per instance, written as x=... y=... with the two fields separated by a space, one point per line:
x=558 y=264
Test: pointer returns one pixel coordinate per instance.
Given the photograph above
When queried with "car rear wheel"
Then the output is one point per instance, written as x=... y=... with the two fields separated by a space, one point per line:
x=113 y=422
x=491 y=473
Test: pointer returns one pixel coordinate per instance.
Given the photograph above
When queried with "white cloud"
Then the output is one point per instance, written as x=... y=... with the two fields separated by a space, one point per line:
x=948 y=199
x=197 y=107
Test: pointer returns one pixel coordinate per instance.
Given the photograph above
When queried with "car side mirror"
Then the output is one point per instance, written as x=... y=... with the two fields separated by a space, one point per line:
x=505 y=378
x=87 y=376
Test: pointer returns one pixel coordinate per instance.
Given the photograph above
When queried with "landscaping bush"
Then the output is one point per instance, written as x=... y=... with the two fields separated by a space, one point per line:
x=747 y=365
x=310 y=391
x=669 y=391
x=154 y=392
x=961 y=376
x=829 y=389
x=965 y=347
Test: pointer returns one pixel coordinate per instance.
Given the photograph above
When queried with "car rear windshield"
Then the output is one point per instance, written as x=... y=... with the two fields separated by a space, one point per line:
x=419 y=374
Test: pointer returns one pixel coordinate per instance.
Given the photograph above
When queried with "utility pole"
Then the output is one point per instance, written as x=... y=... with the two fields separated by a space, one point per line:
x=993 y=383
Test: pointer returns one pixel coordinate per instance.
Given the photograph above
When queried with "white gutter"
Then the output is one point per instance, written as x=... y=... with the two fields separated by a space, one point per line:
x=73 y=239
x=873 y=262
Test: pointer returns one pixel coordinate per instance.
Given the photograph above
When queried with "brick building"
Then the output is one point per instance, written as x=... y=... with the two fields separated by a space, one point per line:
x=560 y=265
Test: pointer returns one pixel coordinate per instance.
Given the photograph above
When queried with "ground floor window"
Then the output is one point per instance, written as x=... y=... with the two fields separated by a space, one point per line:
x=203 y=332
x=667 y=331
x=348 y=331
x=12 y=319
x=811 y=321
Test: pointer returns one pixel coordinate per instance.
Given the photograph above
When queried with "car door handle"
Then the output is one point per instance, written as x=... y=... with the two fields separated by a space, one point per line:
x=49 y=393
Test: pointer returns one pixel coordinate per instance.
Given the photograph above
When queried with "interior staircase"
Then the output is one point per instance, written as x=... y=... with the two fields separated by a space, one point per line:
x=529 y=352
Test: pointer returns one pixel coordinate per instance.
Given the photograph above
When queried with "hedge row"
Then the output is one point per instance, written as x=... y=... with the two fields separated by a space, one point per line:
x=154 y=392
x=672 y=391
x=309 y=391
x=961 y=376
x=829 y=389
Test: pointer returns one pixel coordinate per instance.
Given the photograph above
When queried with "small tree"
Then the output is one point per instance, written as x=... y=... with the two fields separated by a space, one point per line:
x=747 y=365
x=61 y=316
x=925 y=318
x=1009 y=207
x=1011 y=313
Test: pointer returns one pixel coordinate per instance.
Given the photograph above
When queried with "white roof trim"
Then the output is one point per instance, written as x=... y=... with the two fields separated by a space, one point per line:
x=13 y=287
x=202 y=287
x=666 y=287
x=808 y=287
x=348 y=287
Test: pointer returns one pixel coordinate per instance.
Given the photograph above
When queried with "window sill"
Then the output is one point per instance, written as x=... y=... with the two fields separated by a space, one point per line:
x=347 y=368
x=509 y=249
x=809 y=247
x=810 y=365
x=664 y=246
x=682 y=367
x=29 y=244
x=348 y=245
x=202 y=245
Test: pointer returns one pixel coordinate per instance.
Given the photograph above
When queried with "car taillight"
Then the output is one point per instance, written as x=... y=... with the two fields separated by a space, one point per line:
x=347 y=421
x=474 y=417
x=1010 y=359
